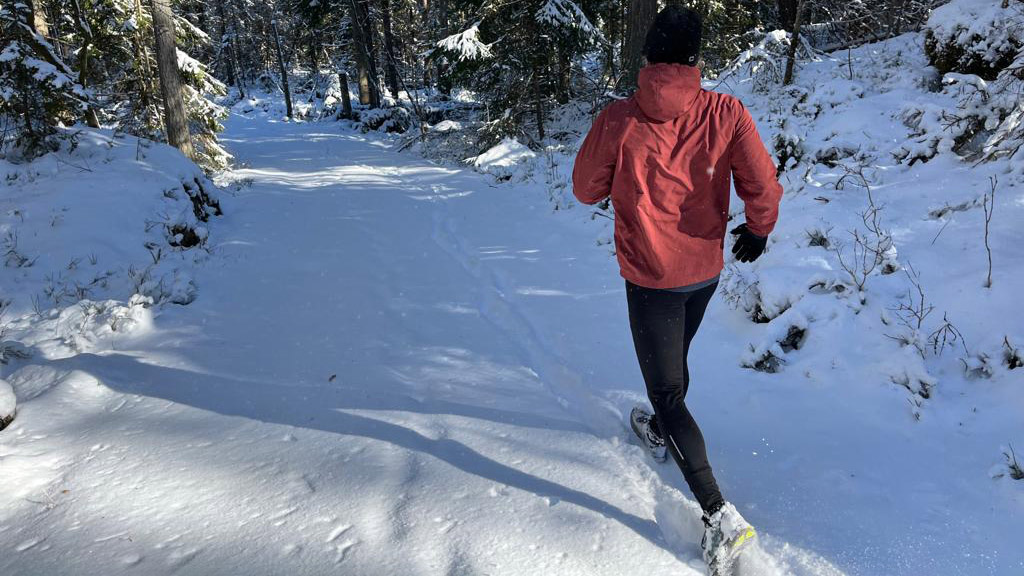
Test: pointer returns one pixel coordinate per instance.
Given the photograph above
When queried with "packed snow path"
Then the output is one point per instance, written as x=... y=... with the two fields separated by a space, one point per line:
x=399 y=368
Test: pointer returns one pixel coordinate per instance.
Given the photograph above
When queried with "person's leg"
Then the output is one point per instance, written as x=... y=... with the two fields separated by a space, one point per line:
x=660 y=325
x=696 y=304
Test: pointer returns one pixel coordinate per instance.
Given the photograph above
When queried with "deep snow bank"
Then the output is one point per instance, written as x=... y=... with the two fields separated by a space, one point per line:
x=92 y=237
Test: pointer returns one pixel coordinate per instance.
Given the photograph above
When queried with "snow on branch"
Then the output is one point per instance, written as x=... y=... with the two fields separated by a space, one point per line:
x=566 y=14
x=466 y=45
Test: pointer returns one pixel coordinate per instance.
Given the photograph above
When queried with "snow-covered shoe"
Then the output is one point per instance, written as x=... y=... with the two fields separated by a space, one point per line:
x=726 y=535
x=645 y=428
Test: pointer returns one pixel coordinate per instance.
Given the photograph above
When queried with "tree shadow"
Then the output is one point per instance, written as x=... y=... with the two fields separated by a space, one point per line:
x=325 y=409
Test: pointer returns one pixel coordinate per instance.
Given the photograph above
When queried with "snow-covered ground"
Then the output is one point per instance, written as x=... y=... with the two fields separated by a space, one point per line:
x=395 y=367
x=373 y=377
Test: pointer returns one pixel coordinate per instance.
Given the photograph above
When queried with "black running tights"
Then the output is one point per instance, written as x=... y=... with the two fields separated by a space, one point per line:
x=663 y=324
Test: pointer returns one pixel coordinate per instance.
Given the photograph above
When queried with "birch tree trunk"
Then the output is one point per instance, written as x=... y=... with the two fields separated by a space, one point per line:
x=175 y=120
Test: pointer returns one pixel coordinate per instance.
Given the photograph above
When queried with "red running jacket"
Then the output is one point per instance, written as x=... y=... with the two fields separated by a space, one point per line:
x=665 y=155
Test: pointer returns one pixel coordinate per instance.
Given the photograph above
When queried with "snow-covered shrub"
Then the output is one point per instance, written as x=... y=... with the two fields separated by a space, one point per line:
x=980 y=37
x=504 y=160
x=1009 y=467
x=762 y=65
x=393 y=119
x=1012 y=356
x=184 y=225
x=831 y=156
x=978 y=365
x=785 y=333
x=8 y=404
x=11 y=350
x=81 y=327
x=907 y=369
x=789 y=150
x=818 y=237
x=936 y=129
x=762 y=299
x=1016 y=470
x=981 y=46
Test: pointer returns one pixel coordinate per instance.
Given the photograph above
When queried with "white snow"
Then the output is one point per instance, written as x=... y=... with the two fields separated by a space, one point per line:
x=980 y=22
x=389 y=366
x=566 y=14
x=466 y=45
x=8 y=403
x=338 y=398
x=504 y=160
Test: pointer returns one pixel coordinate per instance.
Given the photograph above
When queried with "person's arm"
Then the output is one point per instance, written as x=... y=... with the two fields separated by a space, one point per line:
x=594 y=168
x=754 y=176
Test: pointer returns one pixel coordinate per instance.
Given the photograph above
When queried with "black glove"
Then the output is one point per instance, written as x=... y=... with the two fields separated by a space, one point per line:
x=748 y=246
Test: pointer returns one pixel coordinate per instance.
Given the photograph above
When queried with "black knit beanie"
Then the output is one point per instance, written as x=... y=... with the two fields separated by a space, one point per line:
x=674 y=37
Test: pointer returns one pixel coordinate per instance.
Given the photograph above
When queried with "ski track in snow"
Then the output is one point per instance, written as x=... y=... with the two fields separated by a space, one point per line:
x=460 y=435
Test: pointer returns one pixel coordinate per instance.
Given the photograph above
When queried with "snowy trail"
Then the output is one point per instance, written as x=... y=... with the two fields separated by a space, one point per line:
x=386 y=409
x=399 y=368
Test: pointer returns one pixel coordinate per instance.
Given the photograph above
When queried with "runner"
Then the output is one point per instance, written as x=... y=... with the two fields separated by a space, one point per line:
x=665 y=156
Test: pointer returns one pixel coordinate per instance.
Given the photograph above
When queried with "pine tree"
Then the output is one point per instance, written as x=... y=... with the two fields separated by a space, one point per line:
x=38 y=91
x=520 y=84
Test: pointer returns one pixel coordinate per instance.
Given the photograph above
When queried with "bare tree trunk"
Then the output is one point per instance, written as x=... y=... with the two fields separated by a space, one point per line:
x=84 y=52
x=391 y=70
x=314 y=53
x=639 y=17
x=226 y=45
x=563 y=67
x=538 y=102
x=346 y=100
x=175 y=120
x=283 y=70
x=794 y=42
x=611 y=68
x=146 y=92
x=439 y=12
x=366 y=61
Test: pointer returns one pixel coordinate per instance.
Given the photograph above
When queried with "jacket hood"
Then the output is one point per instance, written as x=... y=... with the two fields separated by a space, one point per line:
x=667 y=91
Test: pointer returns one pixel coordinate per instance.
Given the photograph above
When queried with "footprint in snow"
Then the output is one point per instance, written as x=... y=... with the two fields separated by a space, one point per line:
x=28 y=544
x=341 y=551
x=181 y=557
x=278 y=518
x=338 y=531
x=290 y=550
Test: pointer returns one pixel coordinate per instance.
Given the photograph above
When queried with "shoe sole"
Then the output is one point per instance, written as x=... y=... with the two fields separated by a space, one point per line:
x=632 y=424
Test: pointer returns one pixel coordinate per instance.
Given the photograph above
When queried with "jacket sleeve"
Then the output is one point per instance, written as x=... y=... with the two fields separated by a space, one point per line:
x=755 y=177
x=594 y=168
